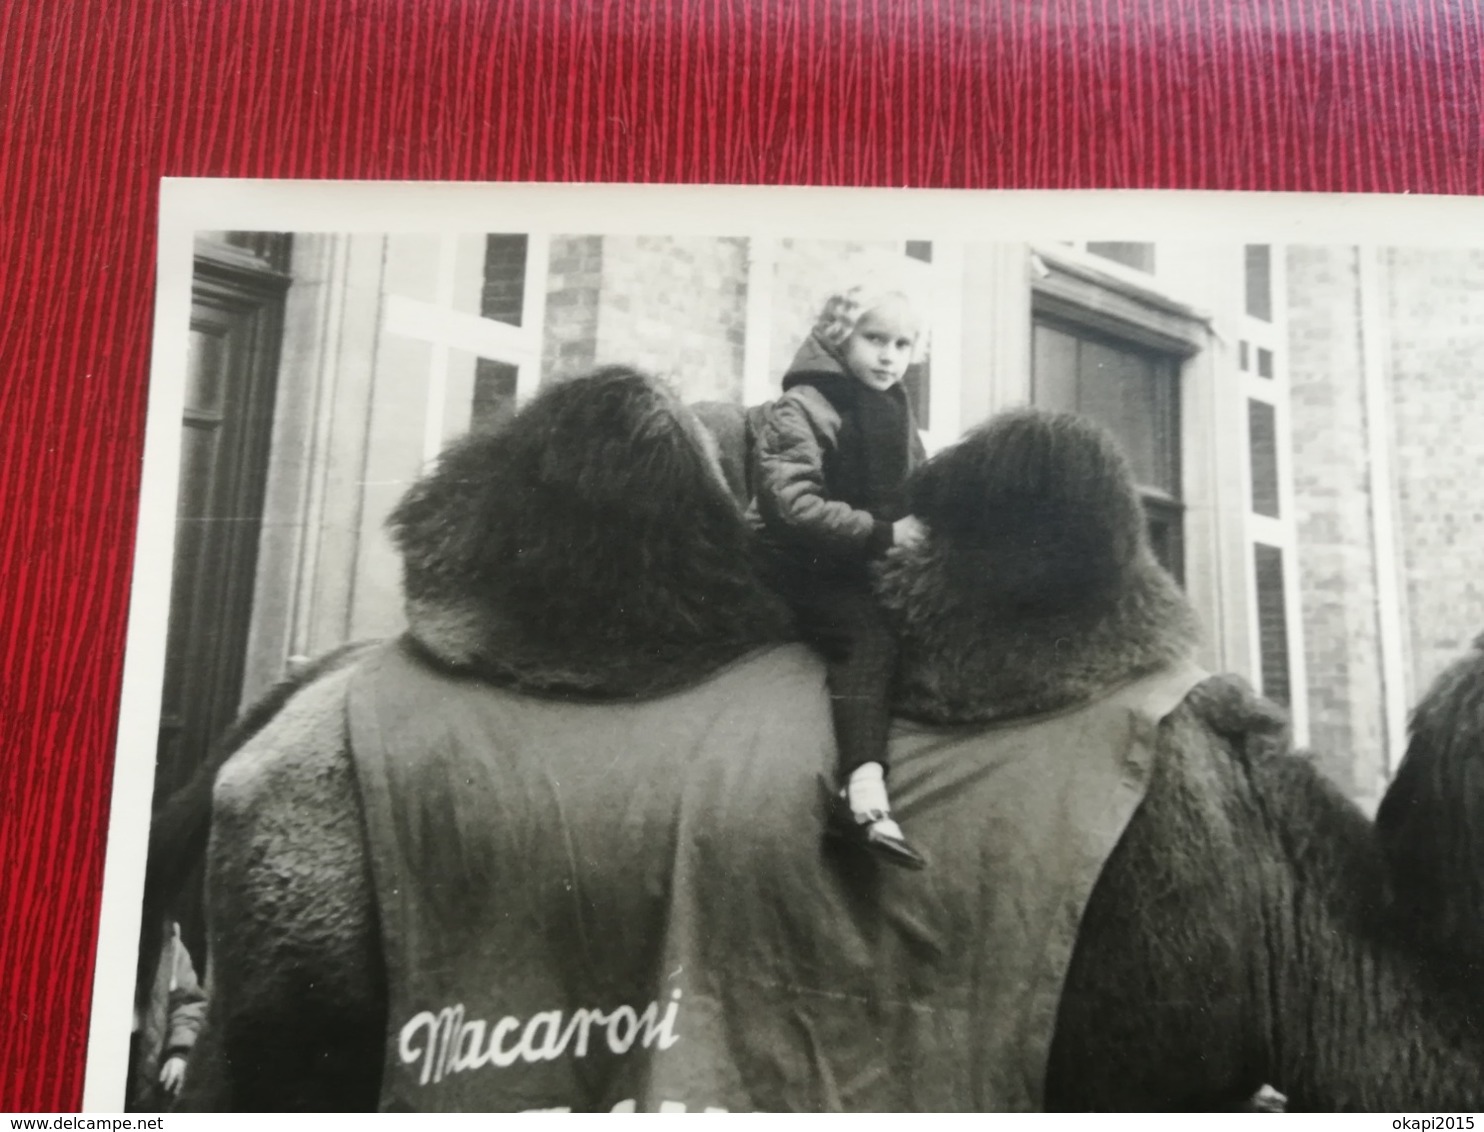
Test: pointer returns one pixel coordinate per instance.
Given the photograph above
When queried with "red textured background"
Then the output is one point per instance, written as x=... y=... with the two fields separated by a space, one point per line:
x=99 y=99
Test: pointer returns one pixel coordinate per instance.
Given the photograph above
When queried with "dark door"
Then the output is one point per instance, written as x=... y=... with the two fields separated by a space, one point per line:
x=232 y=373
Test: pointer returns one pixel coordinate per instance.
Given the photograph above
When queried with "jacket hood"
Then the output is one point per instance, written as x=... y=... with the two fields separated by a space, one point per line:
x=588 y=549
x=1035 y=589
x=815 y=361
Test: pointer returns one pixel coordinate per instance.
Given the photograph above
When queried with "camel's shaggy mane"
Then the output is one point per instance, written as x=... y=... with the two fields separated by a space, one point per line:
x=548 y=556
x=1036 y=587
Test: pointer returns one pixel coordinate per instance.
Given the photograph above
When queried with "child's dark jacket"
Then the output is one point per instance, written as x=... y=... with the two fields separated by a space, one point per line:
x=833 y=457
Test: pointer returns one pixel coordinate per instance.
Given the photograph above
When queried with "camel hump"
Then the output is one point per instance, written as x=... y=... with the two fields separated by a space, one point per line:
x=180 y=825
x=286 y=756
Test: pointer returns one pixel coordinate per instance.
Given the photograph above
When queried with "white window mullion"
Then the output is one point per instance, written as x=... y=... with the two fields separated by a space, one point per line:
x=443 y=326
x=759 y=385
x=947 y=337
x=532 y=315
x=437 y=390
x=1390 y=592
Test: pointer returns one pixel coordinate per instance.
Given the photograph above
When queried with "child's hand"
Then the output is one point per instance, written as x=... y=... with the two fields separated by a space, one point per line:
x=908 y=531
x=172 y=1074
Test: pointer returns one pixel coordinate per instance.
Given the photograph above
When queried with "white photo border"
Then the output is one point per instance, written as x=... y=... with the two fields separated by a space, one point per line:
x=192 y=205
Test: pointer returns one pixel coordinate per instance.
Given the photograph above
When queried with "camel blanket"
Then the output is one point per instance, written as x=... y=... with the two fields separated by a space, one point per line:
x=622 y=907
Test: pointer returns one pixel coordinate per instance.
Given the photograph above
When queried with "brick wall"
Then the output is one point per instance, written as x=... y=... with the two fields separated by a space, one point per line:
x=676 y=307
x=573 y=284
x=1333 y=513
x=1436 y=305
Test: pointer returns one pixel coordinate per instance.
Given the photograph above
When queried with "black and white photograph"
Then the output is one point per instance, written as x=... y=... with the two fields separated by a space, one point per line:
x=676 y=649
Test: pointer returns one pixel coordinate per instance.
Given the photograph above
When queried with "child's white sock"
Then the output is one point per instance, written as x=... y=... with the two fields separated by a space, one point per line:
x=866 y=790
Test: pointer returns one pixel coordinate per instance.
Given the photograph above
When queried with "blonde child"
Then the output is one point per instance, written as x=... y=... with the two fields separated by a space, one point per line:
x=833 y=457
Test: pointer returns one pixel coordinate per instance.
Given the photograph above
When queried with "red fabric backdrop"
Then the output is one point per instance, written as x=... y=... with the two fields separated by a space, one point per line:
x=100 y=99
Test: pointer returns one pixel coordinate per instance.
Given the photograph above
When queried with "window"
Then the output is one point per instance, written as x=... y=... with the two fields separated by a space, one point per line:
x=1276 y=626
x=502 y=299
x=503 y=295
x=462 y=318
x=1272 y=623
x=1262 y=444
x=1131 y=389
x=494 y=394
x=1259 y=275
x=1138 y=256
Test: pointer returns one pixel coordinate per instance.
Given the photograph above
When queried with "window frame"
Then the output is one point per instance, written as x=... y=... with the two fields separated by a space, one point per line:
x=446 y=323
x=1080 y=293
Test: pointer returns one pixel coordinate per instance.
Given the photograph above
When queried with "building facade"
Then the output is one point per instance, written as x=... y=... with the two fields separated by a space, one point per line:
x=1297 y=419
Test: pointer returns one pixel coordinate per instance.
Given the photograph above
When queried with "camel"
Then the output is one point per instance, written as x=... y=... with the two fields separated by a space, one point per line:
x=1429 y=828
x=1247 y=901
x=1240 y=932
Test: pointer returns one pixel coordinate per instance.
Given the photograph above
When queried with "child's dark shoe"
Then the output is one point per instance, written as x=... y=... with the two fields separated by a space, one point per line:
x=884 y=838
x=875 y=832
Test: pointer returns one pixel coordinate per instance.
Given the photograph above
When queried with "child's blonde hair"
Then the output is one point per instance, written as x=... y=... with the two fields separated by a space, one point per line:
x=846 y=305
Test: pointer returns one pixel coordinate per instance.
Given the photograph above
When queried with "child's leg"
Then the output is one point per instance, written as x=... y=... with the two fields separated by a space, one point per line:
x=860 y=682
x=860 y=679
x=840 y=619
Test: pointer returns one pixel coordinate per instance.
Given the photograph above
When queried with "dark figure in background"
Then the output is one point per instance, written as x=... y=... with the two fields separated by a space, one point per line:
x=168 y=1011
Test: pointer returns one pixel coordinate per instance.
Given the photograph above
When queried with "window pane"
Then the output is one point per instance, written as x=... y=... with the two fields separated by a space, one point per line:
x=1262 y=443
x=503 y=295
x=1118 y=388
x=1054 y=369
x=1138 y=256
x=1260 y=282
x=1264 y=363
x=1132 y=391
x=1272 y=623
x=494 y=395
x=1166 y=536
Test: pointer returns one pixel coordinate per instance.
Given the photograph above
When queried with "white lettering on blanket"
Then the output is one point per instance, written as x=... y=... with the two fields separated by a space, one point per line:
x=632 y=1106
x=450 y=1044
